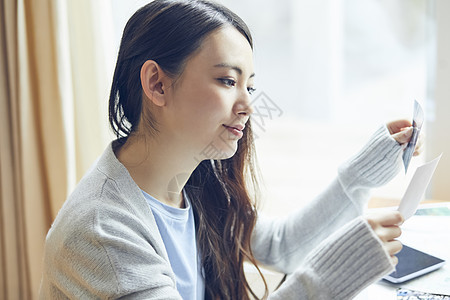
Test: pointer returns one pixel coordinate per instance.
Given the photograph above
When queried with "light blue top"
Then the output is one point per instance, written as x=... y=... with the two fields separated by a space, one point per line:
x=177 y=228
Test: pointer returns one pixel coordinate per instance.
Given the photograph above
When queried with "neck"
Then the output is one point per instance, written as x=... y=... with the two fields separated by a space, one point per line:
x=158 y=167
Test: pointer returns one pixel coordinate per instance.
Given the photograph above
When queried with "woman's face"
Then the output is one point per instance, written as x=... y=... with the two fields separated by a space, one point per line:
x=209 y=103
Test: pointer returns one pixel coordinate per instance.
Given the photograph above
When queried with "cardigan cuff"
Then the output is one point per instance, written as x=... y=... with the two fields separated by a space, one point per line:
x=353 y=259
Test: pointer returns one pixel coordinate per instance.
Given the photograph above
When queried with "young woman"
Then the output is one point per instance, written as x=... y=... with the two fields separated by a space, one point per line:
x=166 y=212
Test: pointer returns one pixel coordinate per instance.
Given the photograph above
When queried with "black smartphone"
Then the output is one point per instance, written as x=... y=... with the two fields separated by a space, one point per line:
x=413 y=263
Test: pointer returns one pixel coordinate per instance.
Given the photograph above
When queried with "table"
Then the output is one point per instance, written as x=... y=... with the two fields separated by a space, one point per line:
x=430 y=234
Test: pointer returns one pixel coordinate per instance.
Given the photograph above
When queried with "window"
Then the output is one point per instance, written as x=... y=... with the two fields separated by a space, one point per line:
x=335 y=70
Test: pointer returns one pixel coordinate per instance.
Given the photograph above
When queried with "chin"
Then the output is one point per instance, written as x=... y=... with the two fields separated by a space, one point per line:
x=220 y=150
x=227 y=155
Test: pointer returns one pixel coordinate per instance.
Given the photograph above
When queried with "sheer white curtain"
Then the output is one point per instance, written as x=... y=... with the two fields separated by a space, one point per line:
x=87 y=59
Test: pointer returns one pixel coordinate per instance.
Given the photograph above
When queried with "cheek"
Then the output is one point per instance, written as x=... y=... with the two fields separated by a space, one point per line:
x=211 y=107
x=201 y=106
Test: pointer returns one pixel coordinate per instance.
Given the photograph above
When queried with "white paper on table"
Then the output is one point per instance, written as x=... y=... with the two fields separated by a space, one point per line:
x=417 y=187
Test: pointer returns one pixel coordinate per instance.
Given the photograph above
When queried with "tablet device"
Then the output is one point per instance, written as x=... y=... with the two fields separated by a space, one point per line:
x=413 y=263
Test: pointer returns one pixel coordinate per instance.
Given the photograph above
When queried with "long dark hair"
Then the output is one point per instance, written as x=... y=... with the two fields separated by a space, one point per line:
x=168 y=32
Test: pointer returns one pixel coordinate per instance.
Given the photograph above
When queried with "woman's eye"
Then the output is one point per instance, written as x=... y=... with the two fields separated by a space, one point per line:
x=228 y=82
x=251 y=90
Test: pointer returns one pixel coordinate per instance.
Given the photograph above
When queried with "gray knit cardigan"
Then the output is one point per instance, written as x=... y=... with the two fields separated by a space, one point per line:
x=105 y=244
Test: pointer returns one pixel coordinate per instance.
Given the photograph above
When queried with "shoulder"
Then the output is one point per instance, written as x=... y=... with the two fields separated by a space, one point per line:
x=107 y=190
x=102 y=233
x=104 y=204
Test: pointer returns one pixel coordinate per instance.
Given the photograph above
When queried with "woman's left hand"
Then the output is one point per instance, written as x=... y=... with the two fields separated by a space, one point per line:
x=401 y=131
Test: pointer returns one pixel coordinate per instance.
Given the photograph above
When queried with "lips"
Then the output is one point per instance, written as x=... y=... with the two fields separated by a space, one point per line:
x=239 y=127
x=236 y=130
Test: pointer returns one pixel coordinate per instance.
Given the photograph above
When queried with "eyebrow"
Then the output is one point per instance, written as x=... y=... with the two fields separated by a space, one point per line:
x=233 y=67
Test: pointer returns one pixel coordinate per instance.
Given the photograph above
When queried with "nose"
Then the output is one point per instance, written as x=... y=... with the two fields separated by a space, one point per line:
x=243 y=106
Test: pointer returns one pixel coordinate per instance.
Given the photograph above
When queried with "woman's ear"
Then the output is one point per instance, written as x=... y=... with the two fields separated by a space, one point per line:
x=153 y=81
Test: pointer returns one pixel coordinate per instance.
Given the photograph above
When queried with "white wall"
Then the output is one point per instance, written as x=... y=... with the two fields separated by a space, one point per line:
x=438 y=133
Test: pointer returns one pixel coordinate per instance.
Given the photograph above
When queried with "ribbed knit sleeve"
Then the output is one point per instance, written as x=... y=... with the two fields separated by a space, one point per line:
x=344 y=264
x=375 y=165
x=330 y=251
x=284 y=243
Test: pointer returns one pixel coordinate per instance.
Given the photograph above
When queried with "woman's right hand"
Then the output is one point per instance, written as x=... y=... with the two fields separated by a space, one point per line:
x=401 y=131
x=386 y=226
